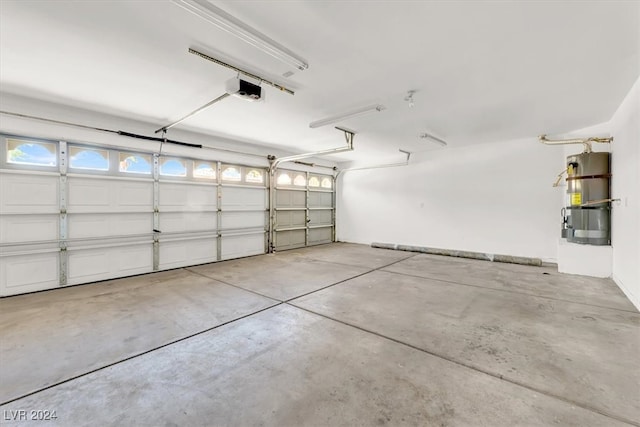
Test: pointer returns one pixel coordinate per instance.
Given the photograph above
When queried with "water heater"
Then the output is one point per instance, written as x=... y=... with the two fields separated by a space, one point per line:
x=587 y=208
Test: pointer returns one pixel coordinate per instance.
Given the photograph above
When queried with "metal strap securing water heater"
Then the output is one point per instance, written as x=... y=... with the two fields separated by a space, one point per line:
x=602 y=175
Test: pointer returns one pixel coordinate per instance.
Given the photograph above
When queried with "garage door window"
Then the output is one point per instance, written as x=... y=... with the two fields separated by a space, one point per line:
x=204 y=170
x=135 y=163
x=254 y=176
x=300 y=181
x=173 y=167
x=284 y=179
x=314 y=181
x=326 y=183
x=88 y=159
x=31 y=153
x=231 y=173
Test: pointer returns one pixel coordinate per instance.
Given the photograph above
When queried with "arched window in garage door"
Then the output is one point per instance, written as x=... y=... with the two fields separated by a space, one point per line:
x=88 y=158
x=135 y=163
x=173 y=167
x=205 y=170
x=36 y=153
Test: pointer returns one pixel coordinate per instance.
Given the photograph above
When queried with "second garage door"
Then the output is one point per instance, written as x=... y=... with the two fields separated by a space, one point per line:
x=304 y=209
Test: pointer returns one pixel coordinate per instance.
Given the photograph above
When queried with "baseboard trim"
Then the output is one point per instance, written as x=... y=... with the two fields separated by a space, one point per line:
x=537 y=262
x=635 y=300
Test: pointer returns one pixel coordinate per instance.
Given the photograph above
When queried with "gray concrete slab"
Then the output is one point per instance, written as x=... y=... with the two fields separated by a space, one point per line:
x=52 y=336
x=286 y=367
x=581 y=353
x=281 y=276
x=351 y=254
x=539 y=281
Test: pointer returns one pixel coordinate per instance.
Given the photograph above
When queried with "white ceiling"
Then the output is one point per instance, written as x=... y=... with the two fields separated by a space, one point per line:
x=483 y=70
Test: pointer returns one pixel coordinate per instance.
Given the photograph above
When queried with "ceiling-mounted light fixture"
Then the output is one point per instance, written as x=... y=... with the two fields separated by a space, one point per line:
x=425 y=135
x=409 y=98
x=347 y=115
x=226 y=22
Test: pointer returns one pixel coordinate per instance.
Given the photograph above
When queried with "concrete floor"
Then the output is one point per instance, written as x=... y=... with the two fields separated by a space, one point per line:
x=338 y=334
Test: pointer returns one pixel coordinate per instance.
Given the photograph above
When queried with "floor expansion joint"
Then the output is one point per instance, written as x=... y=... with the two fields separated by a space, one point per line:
x=139 y=354
x=459 y=363
x=512 y=292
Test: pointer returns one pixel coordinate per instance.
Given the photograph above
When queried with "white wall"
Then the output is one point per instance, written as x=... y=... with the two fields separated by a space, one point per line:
x=625 y=185
x=493 y=198
x=497 y=198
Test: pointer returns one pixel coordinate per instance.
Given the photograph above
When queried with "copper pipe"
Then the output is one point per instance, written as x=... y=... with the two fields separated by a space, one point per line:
x=584 y=141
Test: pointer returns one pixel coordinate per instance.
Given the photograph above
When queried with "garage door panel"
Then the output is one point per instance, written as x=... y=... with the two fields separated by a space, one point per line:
x=23 y=193
x=109 y=195
x=320 y=199
x=28 y=273
x=321 y=217
x=290 y=239
x=181 y=253
x=105 y=225
x=244 y=198
x=291 y=199
x=135 y=258
x=290 y=219
x=237 y=220
x=28 y=228
x=176 y=222
x=242 y=245
x=88 y=265
x=320 y=235
x=134 y=195
x=89 y=194
x=185 y=197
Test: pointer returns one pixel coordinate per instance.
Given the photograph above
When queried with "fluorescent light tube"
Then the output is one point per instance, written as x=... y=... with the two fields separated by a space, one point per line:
x=228 y=23
x=348 y=115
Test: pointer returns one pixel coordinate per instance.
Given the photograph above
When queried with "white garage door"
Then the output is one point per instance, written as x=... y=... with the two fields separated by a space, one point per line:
x=72 y=214
x=304 y=209
x=244 y=211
